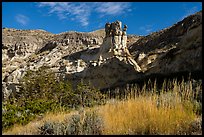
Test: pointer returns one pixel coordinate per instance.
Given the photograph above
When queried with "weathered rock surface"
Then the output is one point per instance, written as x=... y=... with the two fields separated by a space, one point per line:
x=175 y=49
x=71 y=54
x=31 y=49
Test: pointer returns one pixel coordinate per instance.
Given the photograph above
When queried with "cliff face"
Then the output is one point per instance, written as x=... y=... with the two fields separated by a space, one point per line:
x=175 y=49
x=31 y=49
x=71 y=54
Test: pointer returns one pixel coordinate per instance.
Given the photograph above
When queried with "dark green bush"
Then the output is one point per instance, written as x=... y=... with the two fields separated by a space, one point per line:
x=23 y=114
x=38 y=84
x=87 y=96
x=41 y=92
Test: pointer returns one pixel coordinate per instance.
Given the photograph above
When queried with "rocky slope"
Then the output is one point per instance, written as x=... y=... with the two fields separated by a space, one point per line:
x=172 y=50
x=175 y=49
x=24 y=50
x=31 y=49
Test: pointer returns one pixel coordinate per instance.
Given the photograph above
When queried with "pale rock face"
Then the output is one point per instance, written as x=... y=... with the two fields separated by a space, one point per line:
x=97 y=59
x=141 y=56
x=124 y=41
x=175 y=49
x=106 y=47
x=115 y=46
x=31 y=49
x=15 y=76
x=110 y=65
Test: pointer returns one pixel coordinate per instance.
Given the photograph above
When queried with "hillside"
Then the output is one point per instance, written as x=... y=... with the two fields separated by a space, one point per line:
x=24 y=50
x=44 y=72
x=172 y=50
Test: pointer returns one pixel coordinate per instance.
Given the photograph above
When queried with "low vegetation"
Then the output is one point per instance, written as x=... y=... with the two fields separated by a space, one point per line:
x=173 y=108
x=40 y=93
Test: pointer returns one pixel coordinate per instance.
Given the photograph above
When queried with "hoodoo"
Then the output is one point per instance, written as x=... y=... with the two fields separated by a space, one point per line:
x=115 y=45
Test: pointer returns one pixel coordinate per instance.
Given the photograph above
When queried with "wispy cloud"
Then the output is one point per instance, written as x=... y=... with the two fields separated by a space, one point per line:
x=68 y=10
x=147 y=28
x=51 y=4
x=81 y=11
x=22 y=19
x=112 y=8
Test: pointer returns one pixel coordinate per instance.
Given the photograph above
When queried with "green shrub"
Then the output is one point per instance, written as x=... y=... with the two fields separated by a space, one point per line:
x=40 y=92
x=93 y=123
x=43 y=84
x=24 y=113
x=38 y=84
x=85 y=123
x=87 y=96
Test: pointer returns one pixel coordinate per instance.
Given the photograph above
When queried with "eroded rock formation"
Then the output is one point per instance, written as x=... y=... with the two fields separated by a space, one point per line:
x=171 y=50
x=103 y=57
x=111 y=63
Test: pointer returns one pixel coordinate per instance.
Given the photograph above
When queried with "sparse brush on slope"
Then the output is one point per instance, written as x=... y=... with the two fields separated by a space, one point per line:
x=85 y=122
x=41 y=92
x=172 y=109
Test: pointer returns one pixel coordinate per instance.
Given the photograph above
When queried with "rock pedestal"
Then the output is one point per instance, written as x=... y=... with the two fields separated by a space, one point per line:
x=115 y=45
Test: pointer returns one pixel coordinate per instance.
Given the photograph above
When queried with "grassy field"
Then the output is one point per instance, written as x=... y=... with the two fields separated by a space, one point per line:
x=173 y=109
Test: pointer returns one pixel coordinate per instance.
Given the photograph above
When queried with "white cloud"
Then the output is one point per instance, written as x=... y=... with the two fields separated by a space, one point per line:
x=51 y=4
x=81 y=11
x=22 y=19
x=147 y=28
x=64 y=10
x=112 y=8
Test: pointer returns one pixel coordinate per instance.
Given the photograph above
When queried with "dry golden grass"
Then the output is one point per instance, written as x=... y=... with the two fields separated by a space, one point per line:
x=32 y=127
x=171 y=112
x=142 y=116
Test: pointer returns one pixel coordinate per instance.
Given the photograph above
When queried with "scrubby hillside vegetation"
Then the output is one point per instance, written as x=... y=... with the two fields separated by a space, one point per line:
x=56 y=109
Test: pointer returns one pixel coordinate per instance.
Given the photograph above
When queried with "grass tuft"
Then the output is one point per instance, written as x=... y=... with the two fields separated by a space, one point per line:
x=173 y=109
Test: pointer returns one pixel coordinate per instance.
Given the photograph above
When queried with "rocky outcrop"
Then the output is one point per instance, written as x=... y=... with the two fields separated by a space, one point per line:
x=93 y=58
x=175 y=49
x=111 y=64
x=30 y=49
x=113 y=72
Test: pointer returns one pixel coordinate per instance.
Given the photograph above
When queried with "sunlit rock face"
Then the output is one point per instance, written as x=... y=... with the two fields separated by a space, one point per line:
x=64 y=53
x=112 y=63
x=171 y=50
x=105 y=58
x=24 y=50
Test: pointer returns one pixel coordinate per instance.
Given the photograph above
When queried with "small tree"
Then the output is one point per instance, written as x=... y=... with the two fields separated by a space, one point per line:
x=85 y=95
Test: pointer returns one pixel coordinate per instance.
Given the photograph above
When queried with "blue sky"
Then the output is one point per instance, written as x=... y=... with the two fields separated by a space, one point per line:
x=142 y=18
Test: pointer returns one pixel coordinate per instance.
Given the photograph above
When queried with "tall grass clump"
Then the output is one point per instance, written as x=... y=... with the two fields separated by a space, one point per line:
x=168 y=110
